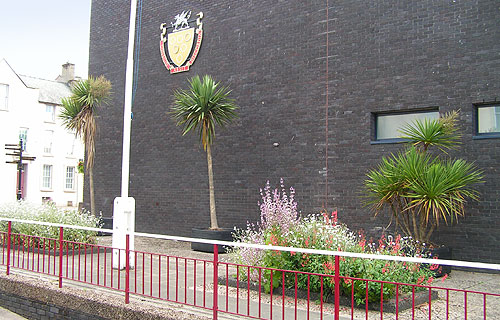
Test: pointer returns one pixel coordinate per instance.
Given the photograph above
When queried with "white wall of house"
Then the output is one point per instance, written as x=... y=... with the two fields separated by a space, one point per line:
x=56 y=150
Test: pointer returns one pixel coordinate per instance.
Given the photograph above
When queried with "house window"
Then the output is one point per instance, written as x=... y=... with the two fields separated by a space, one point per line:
x=387 y=125
x=50 y=113
x=47 y=147
x=4 y=97
x=71 y=140
x=488 y=120
x=47 y=177
x=70 y=178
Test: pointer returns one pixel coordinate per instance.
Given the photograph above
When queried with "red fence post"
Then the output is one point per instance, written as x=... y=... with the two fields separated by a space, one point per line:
x=9 y=232
x=337 y=286
x=127 y=269
x=216 y=280
x=61 y=232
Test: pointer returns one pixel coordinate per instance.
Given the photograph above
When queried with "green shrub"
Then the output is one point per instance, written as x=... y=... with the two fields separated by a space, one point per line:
x=48 y=212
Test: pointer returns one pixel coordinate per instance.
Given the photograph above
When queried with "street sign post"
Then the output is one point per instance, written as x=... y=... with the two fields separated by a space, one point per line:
x=16 y=150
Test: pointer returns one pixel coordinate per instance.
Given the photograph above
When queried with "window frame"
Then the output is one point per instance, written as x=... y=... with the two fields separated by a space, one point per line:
x=50 y=117
x=50 y=177
x=6 y=105
x=48 y=142
x=475 y=114
x=71 y=143
x=374 y=121
x=73 y=178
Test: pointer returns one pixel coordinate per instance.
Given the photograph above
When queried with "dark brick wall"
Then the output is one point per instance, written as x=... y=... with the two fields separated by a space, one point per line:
x=382 y=56
x=34 y=309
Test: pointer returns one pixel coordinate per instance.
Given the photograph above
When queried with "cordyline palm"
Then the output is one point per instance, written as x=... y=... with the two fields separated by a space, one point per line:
x=442 y=132
x=420 y=189
x=78 y=115
x=201 y=107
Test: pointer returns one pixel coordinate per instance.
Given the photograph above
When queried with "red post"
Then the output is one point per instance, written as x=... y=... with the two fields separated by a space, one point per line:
x=127 y=269
x=60 y=255
x=9 y=232
x=337 y=286
x=216 y=278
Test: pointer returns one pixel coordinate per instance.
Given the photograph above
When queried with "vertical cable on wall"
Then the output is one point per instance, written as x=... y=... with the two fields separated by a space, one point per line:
x=326 y=116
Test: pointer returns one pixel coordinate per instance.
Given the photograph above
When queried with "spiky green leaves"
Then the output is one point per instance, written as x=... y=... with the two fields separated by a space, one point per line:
x=79 y=110
x=440 y=132
x=202 y=106
x=442 y=189
x=430 y=186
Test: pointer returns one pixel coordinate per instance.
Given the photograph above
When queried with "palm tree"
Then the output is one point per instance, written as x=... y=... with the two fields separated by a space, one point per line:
x=78 y=115
x=201 y=107
x=421 y=189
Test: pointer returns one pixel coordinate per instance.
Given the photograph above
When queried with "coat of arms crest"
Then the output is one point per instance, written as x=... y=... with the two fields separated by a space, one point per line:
x=180 y=38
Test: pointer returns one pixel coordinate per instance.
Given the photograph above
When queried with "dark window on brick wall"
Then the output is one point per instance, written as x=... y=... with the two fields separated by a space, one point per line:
x=387 y=124
x=487 y=120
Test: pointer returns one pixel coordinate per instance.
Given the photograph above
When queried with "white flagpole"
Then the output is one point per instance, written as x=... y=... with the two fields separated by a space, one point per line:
x=124 y=206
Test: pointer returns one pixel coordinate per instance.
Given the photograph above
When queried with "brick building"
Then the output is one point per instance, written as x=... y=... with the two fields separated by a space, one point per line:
x=313 y=81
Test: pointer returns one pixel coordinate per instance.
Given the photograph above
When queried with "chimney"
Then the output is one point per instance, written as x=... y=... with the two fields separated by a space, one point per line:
x=67 y=74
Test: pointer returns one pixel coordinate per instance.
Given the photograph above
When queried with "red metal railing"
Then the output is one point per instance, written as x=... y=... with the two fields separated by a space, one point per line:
x=225 y=287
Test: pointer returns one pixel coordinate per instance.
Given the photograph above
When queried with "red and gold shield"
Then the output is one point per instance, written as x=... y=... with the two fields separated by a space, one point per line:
x=180 y=44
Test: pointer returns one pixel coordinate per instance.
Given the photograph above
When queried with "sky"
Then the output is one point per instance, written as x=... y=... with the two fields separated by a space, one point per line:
x=38 y=36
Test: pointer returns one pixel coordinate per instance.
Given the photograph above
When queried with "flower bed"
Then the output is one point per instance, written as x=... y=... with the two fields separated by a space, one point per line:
x=281 y=225
x=48 y=212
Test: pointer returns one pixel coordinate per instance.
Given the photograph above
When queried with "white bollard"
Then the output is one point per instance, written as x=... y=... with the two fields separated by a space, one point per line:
x=123 y=223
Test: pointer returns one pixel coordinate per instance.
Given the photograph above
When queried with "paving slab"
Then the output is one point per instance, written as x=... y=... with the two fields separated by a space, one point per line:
x=6 y=314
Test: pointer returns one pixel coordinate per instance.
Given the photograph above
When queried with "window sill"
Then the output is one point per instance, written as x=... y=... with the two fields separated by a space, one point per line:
x=482 y=136
x=46 y=190
x=388 y=141
x=69 y=191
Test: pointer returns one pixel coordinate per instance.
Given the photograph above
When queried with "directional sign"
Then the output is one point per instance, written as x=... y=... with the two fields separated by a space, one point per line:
x=16 y=150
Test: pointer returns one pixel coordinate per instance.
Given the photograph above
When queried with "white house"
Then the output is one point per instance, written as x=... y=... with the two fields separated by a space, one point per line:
x=29 y=109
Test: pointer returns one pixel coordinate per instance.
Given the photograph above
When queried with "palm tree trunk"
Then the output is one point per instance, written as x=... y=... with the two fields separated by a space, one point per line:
x=91 y=188
x=213 y=215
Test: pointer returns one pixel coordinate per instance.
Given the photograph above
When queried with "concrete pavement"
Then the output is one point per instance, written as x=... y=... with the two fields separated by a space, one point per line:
x=184 y=287
x=9 y=315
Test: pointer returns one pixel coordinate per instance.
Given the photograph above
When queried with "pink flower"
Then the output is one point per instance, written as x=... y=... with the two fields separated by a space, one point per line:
x=334 y=217
x=381 y=242
x=430 y=280
x=444 y=277
x=326 y=218
x=328 y=266
x=362 y=244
